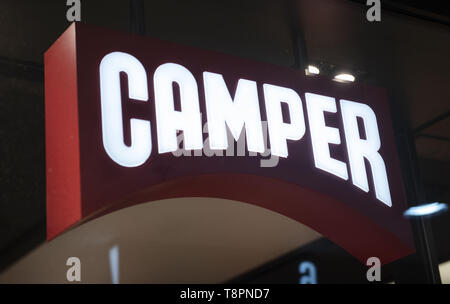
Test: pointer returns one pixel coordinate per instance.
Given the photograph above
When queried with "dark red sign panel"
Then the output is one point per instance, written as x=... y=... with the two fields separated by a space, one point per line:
x=115 y=101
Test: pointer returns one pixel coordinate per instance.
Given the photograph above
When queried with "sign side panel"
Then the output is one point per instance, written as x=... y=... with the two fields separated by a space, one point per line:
x=62 y=138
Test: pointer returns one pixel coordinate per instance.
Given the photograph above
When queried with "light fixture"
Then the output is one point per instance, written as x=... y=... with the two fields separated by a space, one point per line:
x=114 y=263
x=425 y=209
x=344 y=77
x=312 y=70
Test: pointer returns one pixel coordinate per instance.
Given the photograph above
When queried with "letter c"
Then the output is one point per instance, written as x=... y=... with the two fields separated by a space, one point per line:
x=111 y=110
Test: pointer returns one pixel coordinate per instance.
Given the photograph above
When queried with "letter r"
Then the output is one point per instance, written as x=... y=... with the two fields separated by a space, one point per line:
x=368 y=148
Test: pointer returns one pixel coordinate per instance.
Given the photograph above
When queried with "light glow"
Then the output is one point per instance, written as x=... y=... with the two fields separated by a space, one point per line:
x=111 y=110
x=114 y=264
x=425 y=209
x=279 y=131
x=344 y=77
x=312 y=70
x=322 y=135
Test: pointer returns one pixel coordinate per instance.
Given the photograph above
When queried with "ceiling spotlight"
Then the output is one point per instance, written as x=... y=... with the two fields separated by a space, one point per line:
x=312 y=70
x=425 y=210
x=344 y=77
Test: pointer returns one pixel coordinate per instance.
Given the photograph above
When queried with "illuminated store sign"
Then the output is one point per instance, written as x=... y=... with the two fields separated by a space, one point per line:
x=238 y=113
x=116 y=105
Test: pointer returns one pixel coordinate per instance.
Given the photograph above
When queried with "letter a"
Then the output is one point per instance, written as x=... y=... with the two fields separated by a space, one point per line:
x=74 y=272
x=374 y=12
x=374 y=272
x=74 y=12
